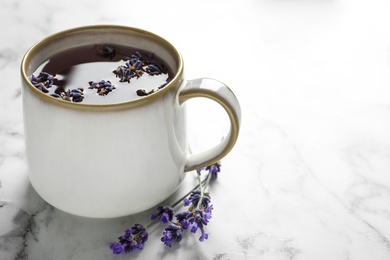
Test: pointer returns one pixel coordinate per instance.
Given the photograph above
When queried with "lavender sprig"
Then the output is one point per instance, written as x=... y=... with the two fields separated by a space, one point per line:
x=194 y=218
x=214 y=169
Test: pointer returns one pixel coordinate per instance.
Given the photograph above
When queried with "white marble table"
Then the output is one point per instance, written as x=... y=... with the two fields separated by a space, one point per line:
x=309 y=177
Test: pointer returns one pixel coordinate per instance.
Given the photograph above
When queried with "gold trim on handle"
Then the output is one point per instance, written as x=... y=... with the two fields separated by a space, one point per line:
x=233 y=111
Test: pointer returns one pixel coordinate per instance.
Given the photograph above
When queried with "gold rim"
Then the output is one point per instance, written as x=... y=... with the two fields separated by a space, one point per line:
x=32 y=52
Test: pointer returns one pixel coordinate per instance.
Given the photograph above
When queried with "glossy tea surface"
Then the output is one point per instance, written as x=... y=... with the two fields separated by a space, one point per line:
x=102 y=74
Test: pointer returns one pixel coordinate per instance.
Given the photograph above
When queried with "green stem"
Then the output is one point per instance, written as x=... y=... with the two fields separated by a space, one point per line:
x=151 y=224
x=201 y=192
x=203 y=188
x=207 y=181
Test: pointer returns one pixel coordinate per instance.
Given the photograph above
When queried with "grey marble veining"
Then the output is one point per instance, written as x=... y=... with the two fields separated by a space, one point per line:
x=310 y=175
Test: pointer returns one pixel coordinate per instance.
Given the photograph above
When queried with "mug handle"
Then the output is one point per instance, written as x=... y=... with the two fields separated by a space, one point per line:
x=220 y=93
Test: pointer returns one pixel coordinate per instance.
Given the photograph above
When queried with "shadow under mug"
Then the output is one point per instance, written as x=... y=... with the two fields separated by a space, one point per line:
x=113 y=160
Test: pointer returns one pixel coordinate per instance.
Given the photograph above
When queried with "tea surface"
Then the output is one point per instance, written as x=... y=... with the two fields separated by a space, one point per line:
x=101 y=74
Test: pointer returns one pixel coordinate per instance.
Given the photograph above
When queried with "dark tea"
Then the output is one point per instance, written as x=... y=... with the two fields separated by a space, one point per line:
x=101 y=74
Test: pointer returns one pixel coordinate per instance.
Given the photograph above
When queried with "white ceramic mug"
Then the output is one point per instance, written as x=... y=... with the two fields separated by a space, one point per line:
x=112 y=160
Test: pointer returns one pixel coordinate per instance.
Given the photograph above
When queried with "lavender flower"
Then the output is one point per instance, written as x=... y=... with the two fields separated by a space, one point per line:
x=195 y=219
x=133 y=238
x=214 y=169
x=165 y=214
x=172 y=233
x=194 y=199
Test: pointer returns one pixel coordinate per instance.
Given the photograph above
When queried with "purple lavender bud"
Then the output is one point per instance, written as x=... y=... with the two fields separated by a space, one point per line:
x=195 y=197
x=121 y=72
x=133 y=238
x=165 y=217
x=203 y=236
x=164 y=213
x=153 y=68
x=153 y=73
x=150 y=56
x=137 y=65
x=77 y=99
x=172 y=233
x=186 y=202
x=116 y=248
x=75 y=94
x=193 y=227
x=184 y=224
x=92 y=84
x=138 y=54
x=182 y=218
x=43 y=81
x=207 y=214
x=76 y=91
x=214 y=169
x=108 y=51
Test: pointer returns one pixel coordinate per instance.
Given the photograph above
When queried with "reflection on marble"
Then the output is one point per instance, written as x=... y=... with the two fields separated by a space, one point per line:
x=310 y=175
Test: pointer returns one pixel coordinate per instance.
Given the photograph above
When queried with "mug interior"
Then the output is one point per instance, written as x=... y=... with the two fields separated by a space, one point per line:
x=102 y=34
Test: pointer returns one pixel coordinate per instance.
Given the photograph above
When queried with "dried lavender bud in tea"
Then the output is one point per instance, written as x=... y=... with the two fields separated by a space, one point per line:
x=103 y=87
x=105 y=50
